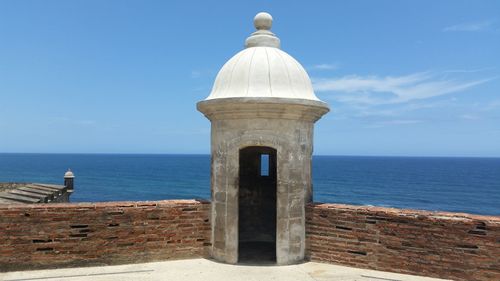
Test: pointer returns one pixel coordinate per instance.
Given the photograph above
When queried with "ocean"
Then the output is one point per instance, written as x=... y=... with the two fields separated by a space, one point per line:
x=470 y=185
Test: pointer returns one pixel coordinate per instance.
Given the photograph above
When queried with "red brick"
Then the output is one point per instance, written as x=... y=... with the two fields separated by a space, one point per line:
x=438 y=244
x=101 y=233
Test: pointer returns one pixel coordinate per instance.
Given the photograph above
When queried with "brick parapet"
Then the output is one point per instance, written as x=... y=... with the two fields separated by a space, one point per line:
x=438 y=244
x=69 y=234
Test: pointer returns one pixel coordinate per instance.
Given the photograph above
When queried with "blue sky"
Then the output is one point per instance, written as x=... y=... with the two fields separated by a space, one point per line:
x=417 y=78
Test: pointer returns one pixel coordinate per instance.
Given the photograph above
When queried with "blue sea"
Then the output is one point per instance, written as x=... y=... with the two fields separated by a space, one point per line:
x=469 y=185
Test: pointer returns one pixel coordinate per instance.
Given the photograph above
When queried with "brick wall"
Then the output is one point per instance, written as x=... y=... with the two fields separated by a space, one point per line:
x=57 y=235
x=446 y=245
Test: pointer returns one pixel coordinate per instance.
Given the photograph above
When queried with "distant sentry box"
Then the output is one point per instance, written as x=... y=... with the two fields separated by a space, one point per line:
x=30 y=193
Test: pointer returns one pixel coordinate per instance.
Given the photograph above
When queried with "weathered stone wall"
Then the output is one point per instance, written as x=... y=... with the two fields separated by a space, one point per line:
x=58 y=235
x=293 y=182
x=446 y=245
x=4 y=186
x=28 y=193
x=285 y=125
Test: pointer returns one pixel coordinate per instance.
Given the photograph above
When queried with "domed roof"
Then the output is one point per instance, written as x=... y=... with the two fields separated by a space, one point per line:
x=69 y=174
x=262 y=69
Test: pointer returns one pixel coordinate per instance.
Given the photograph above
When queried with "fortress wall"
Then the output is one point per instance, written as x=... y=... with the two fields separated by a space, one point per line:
x=437 y=244
x=447 y=245
x=60 y=235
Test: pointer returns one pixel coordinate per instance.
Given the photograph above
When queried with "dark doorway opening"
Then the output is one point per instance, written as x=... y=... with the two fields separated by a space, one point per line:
x=257 y=205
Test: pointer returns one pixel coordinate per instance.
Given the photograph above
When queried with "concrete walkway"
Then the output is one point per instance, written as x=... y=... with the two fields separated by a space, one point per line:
x=207 y=270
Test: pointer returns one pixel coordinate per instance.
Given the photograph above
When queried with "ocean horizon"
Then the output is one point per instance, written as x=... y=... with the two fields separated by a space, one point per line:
x=455 y=184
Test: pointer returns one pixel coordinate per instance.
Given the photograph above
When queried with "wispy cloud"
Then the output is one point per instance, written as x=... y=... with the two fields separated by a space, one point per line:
x=195 y=74
x=470 y=26
x=469 y=117
x=61 y=120
x=167 y=131
x=86 y=122
x=375 y=90
x=381 y=124
x=469 y=70
x=392 y=111
x=325 y=66
x=492 y=105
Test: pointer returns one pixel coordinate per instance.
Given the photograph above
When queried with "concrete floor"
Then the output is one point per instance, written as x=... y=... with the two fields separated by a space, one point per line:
x=207 y=270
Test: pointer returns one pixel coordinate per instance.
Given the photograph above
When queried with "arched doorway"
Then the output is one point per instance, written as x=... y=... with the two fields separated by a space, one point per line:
x=257 y=205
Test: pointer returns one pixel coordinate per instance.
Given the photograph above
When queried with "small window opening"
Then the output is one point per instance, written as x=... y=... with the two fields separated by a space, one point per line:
x=264 y=165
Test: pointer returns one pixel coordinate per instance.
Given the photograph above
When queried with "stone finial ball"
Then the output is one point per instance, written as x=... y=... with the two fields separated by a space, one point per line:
x=263 y=20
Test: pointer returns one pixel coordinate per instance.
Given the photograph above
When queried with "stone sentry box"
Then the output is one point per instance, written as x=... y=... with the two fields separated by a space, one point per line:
x=262 y=109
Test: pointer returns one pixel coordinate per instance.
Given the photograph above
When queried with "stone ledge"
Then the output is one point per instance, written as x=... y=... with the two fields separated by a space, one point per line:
x=441 y=215
x=113 y=204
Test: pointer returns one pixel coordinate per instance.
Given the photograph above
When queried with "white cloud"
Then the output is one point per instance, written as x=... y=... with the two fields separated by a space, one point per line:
x=375 y=90
x=381 y=124
x=86 y=122
x=66 y=121
x=368 y=111
x=469 y=70
x=470 y=26
x=195 y=74
x=469 y=117
x=325 y=66
x=493 y=105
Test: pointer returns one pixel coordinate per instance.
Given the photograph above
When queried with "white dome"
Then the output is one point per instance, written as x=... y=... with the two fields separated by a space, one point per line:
x=69 y=174
x=262 y=70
